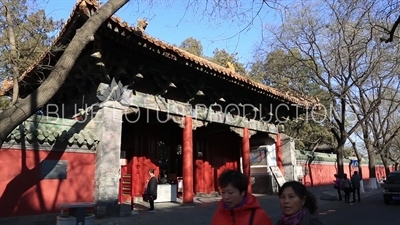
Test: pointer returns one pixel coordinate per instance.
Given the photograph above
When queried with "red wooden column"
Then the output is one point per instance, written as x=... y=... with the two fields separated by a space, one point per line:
x=133 y=179
x=188 y=161
x=279 y=154
x=246 y=156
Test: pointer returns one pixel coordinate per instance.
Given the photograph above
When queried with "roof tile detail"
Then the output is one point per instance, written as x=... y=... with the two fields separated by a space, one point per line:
x=49 y=130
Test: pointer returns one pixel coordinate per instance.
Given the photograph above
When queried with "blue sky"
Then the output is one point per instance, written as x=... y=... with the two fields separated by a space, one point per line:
x=173 y=24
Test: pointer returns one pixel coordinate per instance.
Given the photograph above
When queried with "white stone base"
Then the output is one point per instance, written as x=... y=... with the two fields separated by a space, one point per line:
x=166 y=193
x=372 y=183
x=362 y=187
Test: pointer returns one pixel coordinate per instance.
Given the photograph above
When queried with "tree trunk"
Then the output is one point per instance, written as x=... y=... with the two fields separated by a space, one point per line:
x=23 y=109
x=359 y=159
x=371 y=162
x=385 y=164
x=360 y=172
x=372 y=182
x=339 y=160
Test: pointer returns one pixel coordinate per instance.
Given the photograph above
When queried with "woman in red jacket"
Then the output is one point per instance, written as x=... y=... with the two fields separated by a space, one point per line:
x=236 y=206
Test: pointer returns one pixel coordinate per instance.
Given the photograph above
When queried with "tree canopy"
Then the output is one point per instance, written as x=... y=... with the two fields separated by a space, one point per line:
x=220 y=56
x=193 y=46
x=33 y=30
x=288 y=71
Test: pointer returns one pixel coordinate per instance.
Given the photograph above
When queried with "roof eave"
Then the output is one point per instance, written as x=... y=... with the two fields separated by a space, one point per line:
x=87 y=7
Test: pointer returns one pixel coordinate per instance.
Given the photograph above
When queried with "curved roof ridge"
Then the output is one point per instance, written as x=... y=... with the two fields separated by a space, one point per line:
x=87 y=6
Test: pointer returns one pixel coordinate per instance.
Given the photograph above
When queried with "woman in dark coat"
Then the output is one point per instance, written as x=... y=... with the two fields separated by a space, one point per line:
x=151 y=189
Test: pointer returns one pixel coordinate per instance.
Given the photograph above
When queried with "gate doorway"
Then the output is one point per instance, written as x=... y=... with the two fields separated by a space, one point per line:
x=147 y=144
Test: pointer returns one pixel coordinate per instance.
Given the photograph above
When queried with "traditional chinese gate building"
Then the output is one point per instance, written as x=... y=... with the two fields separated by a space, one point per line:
x=179 y=112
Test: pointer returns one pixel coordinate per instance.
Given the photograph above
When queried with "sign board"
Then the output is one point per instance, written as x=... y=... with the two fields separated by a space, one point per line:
x=280 y=179
x=354 y=163
x=258 y=156
x=263 y=155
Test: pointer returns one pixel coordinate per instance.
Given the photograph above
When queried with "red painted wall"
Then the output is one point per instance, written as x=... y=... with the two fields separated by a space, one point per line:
x=322 y=174
x=141 y=166
x=140 y=142
x=225 y=155
x=220 y=151
x=22 y=192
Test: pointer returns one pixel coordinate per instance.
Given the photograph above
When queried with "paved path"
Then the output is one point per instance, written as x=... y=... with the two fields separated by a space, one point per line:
x=200 y=213
x=371 y=211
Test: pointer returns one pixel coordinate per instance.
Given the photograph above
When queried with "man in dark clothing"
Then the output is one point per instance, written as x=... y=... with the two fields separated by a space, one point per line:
x=151 y=189
x=355 y=180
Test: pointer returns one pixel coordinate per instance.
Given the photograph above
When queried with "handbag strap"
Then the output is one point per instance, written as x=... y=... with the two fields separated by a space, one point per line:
x=252 y=216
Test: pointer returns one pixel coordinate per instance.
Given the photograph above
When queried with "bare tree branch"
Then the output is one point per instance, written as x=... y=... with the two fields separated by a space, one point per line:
x=392 y=31
x=336 y=36
x=16 y=114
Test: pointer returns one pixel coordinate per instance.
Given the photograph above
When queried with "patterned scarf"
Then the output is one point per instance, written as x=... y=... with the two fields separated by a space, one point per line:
x=293 y=219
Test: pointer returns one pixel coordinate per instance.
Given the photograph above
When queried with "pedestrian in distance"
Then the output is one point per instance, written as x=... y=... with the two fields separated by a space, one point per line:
x=356 y=180
x=337 y=186
x=346 y=187
x=237 y=207
x=151 y=189
x=298 y=205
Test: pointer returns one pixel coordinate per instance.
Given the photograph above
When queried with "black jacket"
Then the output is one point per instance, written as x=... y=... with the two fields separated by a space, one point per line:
x=152 y=187
x=355 y=180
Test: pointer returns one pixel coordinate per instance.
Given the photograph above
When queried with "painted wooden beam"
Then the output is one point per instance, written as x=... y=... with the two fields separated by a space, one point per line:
x=198 y=112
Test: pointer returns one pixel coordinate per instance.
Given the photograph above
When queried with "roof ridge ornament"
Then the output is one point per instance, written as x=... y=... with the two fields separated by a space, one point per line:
x=94 y=3
x=231 y=66
x=141 y=26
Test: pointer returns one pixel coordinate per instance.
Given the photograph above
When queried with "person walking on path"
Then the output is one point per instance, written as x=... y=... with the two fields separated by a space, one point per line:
x=237 y=207
x=337 y=186
x=347 y=187
x=355 y=180
x=298 y=205
x=151 y=190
